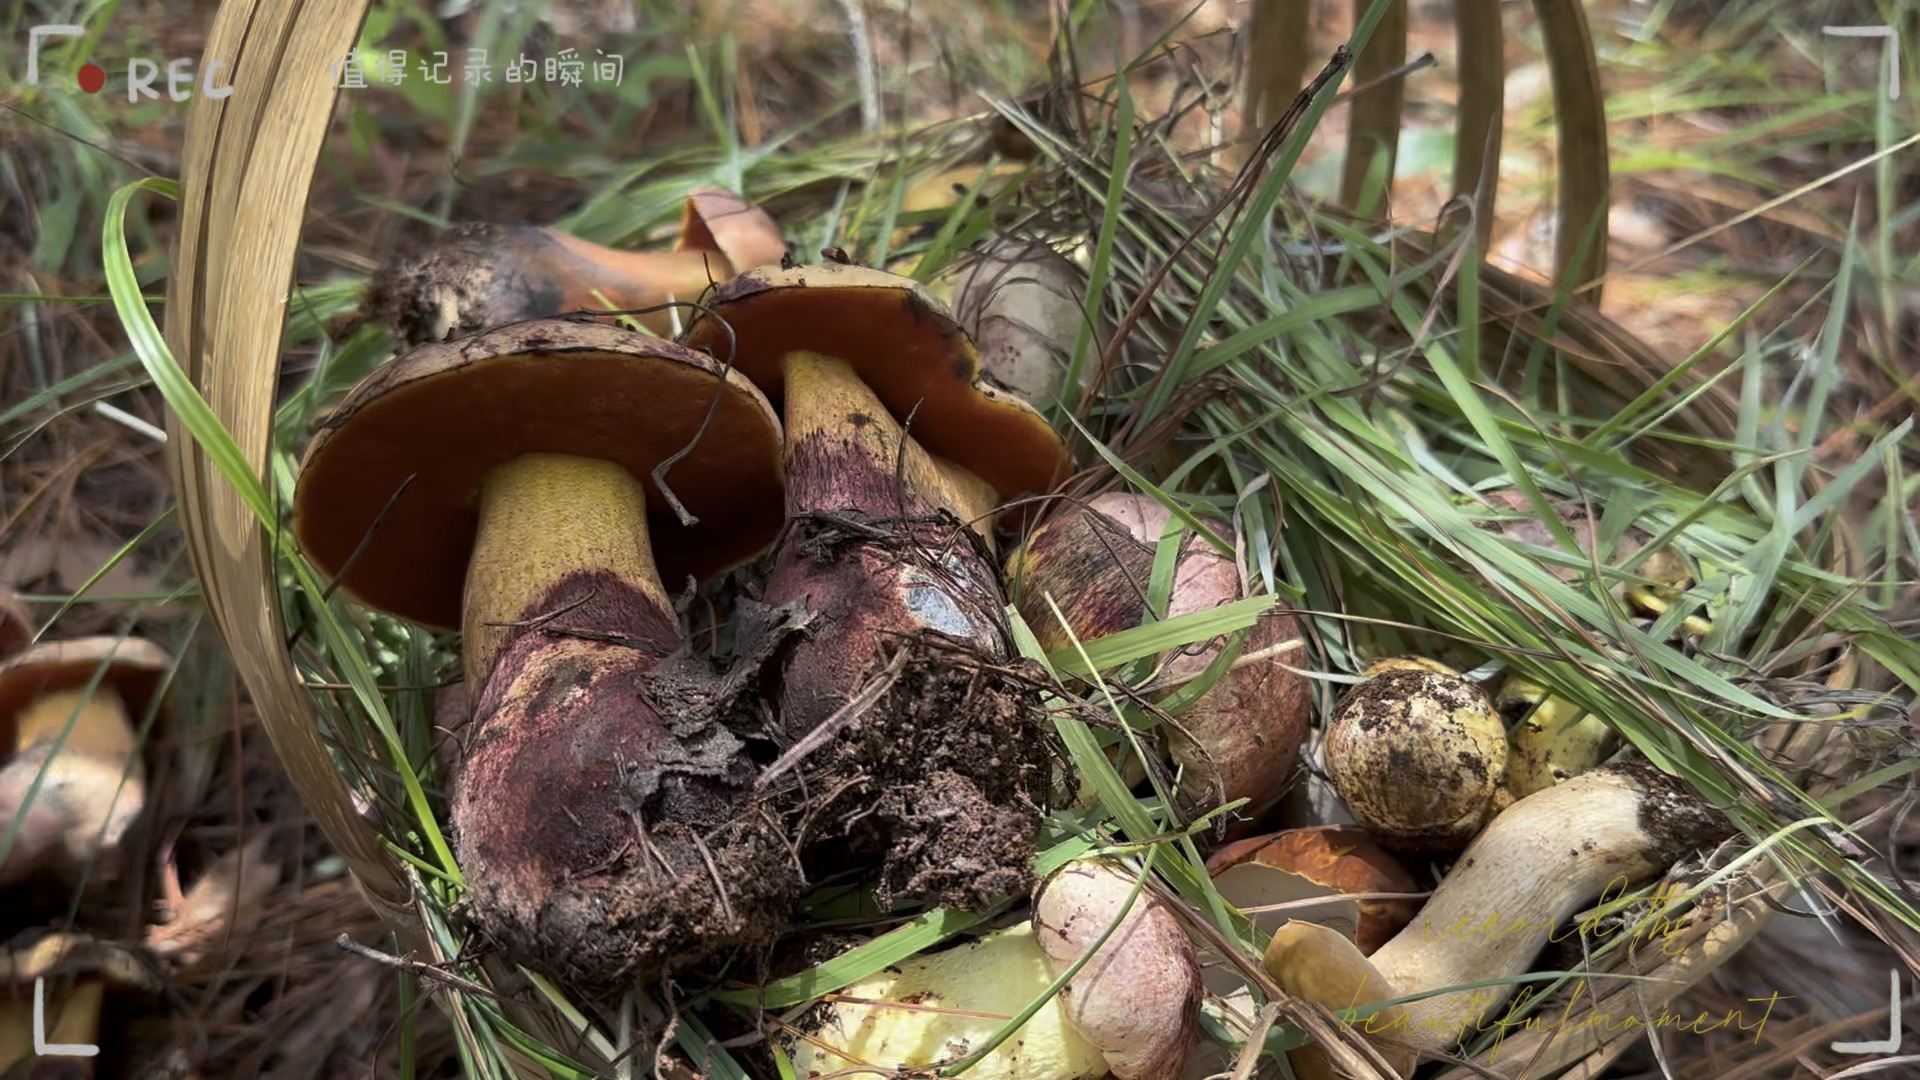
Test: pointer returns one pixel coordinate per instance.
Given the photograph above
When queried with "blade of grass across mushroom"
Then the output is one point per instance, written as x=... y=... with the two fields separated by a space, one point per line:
x=184 y=399
x=1186 y=868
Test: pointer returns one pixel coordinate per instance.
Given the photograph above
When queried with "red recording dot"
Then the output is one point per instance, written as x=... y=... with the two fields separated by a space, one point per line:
x=92 y=78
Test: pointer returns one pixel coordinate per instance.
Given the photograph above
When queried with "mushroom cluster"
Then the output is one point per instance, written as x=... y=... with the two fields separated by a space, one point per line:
x=625 y=801
x=824 y=451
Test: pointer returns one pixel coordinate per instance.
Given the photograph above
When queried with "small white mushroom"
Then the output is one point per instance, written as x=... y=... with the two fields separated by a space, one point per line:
x=1024 y=305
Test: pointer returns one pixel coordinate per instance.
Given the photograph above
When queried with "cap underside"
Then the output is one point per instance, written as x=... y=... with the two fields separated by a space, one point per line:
x=133 y=669
x=450 y=417
x=915 y=358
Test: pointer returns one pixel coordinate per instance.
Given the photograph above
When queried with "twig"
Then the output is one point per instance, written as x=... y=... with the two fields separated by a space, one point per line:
x=846 y=714
x=414 y=967
x=863 y=65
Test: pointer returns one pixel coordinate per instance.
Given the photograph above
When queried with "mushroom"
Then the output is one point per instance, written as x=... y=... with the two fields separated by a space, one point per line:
x=1516 y=519
x=1138 y=996
x=504 y=481
x=1024 y=304
x=1552 y=739
x=1545 y=859
x=1242 y=739
x=905 y=347
x=1419 y=757
x=77 y=745
x=1132 y=1009
x=879 y=561
x=70 y=973
x=1340 y=864
x=481 y=275
x=937 y=1008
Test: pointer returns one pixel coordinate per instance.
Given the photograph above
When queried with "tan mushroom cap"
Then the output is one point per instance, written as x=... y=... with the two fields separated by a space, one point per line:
x=721 y=221
x=134 y=669
x=445 y=414
x=905 y=345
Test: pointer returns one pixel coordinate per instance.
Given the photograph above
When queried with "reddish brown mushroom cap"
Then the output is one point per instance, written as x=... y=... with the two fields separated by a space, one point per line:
x=905 y=345
x=724 y=222
x=134 y=669
x=445 y=414
x=1330 y=861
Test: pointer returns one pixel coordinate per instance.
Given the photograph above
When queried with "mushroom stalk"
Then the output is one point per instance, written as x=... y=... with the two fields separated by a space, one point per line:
x=1550 y=855
x=877 y=555
x=73 y=782
x=596 y=830
x=548 y=521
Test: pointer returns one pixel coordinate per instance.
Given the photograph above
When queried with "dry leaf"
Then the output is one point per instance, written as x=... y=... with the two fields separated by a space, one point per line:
x=221 y=906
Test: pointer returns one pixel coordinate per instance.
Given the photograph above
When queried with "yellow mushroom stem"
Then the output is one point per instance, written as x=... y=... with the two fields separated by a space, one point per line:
x=75 y=803
x=822 y=394
x=99 y=724
x=544 y=517
x=72 y=1018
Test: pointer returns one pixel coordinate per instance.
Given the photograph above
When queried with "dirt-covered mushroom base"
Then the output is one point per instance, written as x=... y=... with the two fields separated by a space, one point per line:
x=908 y=740
x=605 y=839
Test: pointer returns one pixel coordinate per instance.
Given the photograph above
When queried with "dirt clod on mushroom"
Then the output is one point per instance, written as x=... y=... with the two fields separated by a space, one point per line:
x=908 y=739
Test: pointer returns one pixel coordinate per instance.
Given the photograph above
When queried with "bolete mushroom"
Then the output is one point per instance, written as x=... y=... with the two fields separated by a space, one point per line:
x=506 y=481
x=1242 y=738
x=74 y=782
x=904 y=346
x=1131 y=1010
x=70 y=973
x=1535 y=866
x=1024 y=305
x=1552 y=739
x=1419 y=757
x=481 y=275
x=1341 y=866
x=940 y=776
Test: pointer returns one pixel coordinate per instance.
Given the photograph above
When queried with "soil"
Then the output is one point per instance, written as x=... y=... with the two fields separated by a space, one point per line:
x=909 y=741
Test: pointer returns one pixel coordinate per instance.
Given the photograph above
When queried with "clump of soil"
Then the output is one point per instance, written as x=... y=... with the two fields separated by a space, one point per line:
x=909 y=740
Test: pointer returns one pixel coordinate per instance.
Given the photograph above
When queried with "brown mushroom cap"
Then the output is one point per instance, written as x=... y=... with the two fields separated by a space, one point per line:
x=1329 y=861
x=721 y=221
x=134 y=669
x=445 y=414
x=905 y=345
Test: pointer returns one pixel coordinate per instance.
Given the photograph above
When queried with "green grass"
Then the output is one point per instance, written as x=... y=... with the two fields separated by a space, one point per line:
x=1353 y=407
